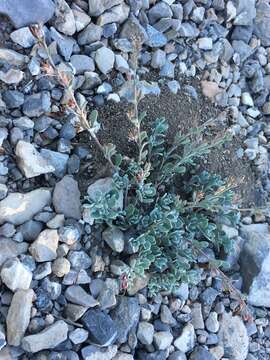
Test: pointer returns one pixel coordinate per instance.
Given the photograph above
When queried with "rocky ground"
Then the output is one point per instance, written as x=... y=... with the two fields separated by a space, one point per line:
x=60 y=295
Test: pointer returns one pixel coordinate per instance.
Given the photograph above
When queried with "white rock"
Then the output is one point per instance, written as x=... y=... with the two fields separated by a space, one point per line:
x=117 y=14
x=30 y=161
x=205 y=43
x=247 y=99
x=45 y=246
x=233 y=336
x=105 y=59
x=15 y=275
x=114 y=238
x=96 y=8
x=18 y=208
x=121 y=64
x=81 y=19
x=186 y=341
x=145 y=333
x=12 y=57
x=93 y=352
x=12 y=76
x=49 y=338
x=19 y=316
x=65 y=21
x=163 y=340
x=114 y=97
x=23 y=37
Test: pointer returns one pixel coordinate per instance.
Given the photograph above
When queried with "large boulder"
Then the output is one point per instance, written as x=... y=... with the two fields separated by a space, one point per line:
x=255 y=263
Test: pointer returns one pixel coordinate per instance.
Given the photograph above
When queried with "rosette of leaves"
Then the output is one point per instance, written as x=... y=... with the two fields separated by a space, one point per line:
x=170 y=229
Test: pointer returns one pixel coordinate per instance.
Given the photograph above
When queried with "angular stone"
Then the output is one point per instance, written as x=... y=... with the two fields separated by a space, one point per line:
x=132 y=28
x=81 y=18
x=27 y=12
x=105 y=59
x=77 y=295
x=117 y=14
x=126 y=316
x=90 y=34
x=74 y=312
x=201 y=353
x=30 y=161
x=49 y=338
x=197 y=317
x=18 y=317
x=245 y=12
x=23 y=37
x=233 y=336
x=96 y=8
x=186 y=341
x=102 y=329
x=37 y=104
x=12 y=57
x=114 y=238
x=92 y=352
x=65 y=21
x=255 y=263
x=56 y=160
x=18 y=208
x=155 y=38
x=163 y=340
x=145 y=333
x=82 y=63
x=10 y=249
x=12 y=76
x=66 y=198
x=15 y=275
x=261 y=27
x=45 y=246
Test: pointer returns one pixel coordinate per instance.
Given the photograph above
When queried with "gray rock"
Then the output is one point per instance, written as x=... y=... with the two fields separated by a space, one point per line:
x=15 y=275
x=49 y=338
x=18 y=317
x=64 y=43
x=81 y=18
x=90 y=34
x=77 y=295
x=66 y=198
x=163 y=340
x=132 y=28
x=92 y=352
x=157 y=355
x=198 y=14
x=78 y=336
x=64 y=21
x=37 y=104
x=186 y=341
x=208 y=296
x=23 y=37
x=30 y=230
x=30 y=161
x=18 y=208
x=117 y=14
x=27 y=12
x=159 y=11
x=102 y=329
x=188 y=30
x=245 y=12
x=145 y=333
x=10 y=249
x=125 y=316
x=158 y=59
x=114 y=238
x=12 y=76
x=45 y=246
x=177 y=355
x=57 y=160
x=70 y=234
x=3 y=191
x=234 y=337
x=155 y=38
x=13 y=98
x=96 y=8
x=262 y=19
x=197 y=317
x=212 y=323
x=255 y=263
x=201 y=353
x=105 y=59
x=60 y=267
x=82 y=63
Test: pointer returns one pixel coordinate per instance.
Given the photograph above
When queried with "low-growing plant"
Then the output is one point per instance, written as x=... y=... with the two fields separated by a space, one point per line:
x=174 y=216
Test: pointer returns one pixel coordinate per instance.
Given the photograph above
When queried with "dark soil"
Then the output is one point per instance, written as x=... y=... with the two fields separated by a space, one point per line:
x=183 y=113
